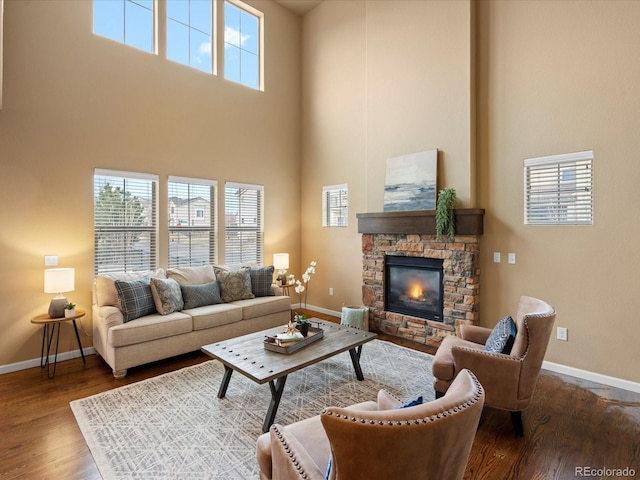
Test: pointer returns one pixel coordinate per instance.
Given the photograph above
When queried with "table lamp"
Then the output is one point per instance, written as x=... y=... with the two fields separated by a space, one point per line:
x=281 y=263
x=58 y=280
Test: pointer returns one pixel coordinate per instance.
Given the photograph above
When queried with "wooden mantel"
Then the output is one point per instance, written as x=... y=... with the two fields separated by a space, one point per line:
x=469 y=221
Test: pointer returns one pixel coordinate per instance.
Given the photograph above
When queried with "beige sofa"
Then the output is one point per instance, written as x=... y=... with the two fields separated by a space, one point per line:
x=125 y=344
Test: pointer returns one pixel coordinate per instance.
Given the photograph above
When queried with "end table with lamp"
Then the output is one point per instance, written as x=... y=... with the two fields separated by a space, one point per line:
x=51 y=329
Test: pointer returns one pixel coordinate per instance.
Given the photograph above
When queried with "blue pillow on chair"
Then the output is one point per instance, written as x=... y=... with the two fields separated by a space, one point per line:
x=502 y=336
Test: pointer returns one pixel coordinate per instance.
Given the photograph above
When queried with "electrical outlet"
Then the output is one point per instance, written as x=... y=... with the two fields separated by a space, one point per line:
x=496 y=257
x=562 y=334
x=50 y=260
x=511 y=258
x=330 y=291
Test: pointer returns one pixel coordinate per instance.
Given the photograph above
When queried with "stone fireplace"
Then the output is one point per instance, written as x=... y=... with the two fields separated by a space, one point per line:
x=390 y=236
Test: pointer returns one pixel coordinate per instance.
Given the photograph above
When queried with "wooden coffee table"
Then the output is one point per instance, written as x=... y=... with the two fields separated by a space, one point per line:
x=247 y=355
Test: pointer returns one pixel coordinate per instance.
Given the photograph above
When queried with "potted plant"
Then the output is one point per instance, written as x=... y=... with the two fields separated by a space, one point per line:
x=445 y=215
x=70 y=310
x=302 y=324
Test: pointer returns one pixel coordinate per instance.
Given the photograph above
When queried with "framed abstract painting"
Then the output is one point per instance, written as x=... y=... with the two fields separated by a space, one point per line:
x=410 y=182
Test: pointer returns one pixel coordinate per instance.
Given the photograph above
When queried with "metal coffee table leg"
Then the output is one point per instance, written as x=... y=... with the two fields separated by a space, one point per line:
x=355 y=359
x=276 y=395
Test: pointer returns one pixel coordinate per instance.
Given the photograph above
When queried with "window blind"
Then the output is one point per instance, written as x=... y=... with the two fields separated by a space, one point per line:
x=559 y=189
x=335 y=206
x=244 y=228
x=125 y=221
x=192 y=221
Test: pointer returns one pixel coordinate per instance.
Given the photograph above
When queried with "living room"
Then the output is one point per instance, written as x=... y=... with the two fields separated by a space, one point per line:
x=347 y=85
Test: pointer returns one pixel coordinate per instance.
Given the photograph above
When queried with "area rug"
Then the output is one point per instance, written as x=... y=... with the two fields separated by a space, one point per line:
x=174 y=427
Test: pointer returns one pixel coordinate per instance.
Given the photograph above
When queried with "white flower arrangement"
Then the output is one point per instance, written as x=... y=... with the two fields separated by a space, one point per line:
x=301 y=285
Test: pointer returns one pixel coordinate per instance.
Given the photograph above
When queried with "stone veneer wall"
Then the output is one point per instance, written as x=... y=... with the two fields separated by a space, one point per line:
x=461 y=284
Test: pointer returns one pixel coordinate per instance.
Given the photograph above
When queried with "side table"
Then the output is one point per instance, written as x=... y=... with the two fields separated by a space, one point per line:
x=51 y=328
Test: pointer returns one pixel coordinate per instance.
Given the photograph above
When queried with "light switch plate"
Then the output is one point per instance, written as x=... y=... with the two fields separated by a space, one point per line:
x=50 y=260
x=496 y=257
x=512 y=258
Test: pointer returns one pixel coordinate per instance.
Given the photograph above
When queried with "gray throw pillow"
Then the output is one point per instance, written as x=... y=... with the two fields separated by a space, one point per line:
x=166 y=295
x=199 y=295
x=136 y=299
x=261 y=280
x=234 y=284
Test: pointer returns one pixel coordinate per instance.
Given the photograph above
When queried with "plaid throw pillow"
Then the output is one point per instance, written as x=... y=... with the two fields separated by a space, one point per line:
x=136 y=299
x=261 y=280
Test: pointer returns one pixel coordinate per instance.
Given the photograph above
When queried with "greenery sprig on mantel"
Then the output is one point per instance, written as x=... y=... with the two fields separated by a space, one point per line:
x=445 y=215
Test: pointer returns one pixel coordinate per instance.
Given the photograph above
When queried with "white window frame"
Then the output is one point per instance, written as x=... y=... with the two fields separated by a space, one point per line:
x=244 y=224
x=123 y=40
x=335 y=205
x=197 y=227
x=125 y=258
x=558 y=189
x=260 y=16
x=191 y=29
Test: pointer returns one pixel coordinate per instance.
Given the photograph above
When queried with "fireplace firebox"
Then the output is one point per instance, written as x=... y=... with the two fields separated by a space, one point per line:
x=414 y=286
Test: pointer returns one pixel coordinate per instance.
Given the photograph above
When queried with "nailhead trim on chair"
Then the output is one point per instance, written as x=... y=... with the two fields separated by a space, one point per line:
x=417 y=421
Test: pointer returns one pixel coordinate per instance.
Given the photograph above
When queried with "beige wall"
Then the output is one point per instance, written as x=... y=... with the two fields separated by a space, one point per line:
x=559 y=77
x=380 y=79
x=74 y=101
x=386 y=78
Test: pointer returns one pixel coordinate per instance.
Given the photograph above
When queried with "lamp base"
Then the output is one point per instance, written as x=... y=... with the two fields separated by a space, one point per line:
x=56 y=307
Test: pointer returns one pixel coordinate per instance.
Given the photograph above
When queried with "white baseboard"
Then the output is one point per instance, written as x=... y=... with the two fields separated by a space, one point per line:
x=593 y=377
x=35 y=362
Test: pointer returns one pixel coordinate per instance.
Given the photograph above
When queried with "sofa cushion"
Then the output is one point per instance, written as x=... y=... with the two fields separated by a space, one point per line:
x=105 y=288
x=234 y=284
x=167 y=296
x=136 y=299
x=261 y=281
x=502 y=336
x=210 y=316
x=198 y=295
x=150 y=327
x=192 y=275
x=259 y=307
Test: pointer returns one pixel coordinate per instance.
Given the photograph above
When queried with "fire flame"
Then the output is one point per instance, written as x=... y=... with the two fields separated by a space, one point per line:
x=416 y=292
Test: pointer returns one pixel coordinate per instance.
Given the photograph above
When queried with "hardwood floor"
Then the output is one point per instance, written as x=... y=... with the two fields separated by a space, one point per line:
x=570 y=424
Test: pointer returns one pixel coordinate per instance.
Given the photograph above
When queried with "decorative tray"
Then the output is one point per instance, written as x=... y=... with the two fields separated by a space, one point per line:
x=275 y=345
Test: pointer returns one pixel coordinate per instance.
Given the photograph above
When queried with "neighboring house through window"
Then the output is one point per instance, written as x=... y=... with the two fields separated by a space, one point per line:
x=192 y=221
x=244 y=226
x=335 y=206
x=558 y=189
x=125 y=221
x=242 y=44
x=126 y=21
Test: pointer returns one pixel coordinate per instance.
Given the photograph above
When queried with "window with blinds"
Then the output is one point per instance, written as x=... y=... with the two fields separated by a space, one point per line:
x=125 y=221
x=244 y=228
x=335 y=206
x=558 y=189
x=192 y=221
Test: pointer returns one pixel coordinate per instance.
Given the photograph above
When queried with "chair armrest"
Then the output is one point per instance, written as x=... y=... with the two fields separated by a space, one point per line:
x=498 y=373
x=475 y=334
x=289 y=458
x=386 y=401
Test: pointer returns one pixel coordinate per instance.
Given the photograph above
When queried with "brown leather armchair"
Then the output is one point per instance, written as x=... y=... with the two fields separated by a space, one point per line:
x=509 y=380
x=378 y=440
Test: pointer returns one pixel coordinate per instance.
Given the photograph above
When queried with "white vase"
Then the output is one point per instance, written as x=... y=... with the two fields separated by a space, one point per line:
x=69 y=313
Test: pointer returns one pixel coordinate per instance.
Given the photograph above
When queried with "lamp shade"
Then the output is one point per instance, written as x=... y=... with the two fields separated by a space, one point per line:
x=281 y=261
x=58 y=280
